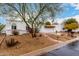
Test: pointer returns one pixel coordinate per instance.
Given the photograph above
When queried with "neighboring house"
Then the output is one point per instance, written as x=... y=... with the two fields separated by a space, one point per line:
x=58 y=28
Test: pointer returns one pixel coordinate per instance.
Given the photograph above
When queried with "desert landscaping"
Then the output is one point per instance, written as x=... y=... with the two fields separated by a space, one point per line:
x=26 y=44
x=32 y=29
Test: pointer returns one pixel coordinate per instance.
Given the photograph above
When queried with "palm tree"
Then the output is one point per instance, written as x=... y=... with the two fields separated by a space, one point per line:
x=1 y=27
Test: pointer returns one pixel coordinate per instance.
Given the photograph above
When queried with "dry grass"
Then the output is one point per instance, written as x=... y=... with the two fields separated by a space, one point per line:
x=27 y=44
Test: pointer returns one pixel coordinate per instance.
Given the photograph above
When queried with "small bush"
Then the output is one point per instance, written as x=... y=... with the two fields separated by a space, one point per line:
x=78 y=32
x=15 y=32
x=40 y=35
x=11 y=42
x=48 y=23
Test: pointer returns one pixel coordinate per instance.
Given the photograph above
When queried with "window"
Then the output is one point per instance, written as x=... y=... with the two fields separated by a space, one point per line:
x=13 y=26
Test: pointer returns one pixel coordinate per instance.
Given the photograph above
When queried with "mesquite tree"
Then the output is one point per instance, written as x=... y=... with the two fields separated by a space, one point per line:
x=33 y=14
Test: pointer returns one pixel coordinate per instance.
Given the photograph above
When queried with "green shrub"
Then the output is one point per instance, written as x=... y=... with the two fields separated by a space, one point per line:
x=47 y=23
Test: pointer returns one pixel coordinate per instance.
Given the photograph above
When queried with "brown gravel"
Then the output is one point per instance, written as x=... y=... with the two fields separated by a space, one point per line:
x=60 y=37
x=27 y=44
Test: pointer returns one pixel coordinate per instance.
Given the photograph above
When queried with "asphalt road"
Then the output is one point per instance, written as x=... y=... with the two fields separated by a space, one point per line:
x=65 y=51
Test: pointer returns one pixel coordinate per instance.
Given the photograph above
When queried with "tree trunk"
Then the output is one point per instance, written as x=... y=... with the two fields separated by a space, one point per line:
x=70 y=32
x=31 y=31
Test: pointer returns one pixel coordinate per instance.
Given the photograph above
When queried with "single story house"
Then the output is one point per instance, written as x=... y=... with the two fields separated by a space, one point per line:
x=20 y=26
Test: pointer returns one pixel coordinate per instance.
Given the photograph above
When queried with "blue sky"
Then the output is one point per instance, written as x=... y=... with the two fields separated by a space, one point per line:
x=2 y=20
x=71 y=10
